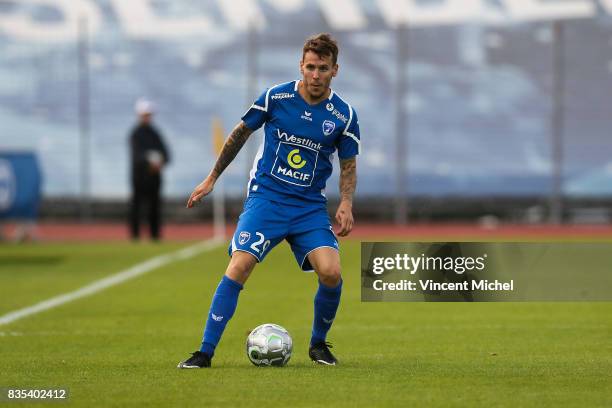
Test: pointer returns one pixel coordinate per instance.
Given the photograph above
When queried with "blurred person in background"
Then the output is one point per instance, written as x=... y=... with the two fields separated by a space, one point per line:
x=148 y=155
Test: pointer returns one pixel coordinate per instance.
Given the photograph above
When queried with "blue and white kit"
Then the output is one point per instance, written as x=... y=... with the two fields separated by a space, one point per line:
x=286 y=190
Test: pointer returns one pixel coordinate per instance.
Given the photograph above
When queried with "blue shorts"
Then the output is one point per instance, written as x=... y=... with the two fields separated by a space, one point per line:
x=263 y=224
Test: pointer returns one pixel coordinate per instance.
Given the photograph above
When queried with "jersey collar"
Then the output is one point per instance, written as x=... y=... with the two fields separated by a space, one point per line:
x=295 y=89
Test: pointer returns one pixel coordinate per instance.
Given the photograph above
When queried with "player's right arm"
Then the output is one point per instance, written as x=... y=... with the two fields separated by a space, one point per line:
x=252 y=120
x=231 y=147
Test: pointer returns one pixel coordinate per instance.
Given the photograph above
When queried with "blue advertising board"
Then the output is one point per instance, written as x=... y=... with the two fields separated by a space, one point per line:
x=20 y=185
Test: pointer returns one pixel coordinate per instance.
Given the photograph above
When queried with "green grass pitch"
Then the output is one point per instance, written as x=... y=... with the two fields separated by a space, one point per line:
x=120 y=347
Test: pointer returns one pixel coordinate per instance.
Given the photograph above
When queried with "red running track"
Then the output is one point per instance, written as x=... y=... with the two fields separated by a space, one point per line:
x=419 y=232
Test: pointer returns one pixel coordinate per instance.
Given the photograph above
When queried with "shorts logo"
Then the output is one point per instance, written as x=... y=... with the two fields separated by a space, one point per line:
x=329 y=106
x=328 y=127
x=244 y=237
x=295 y=160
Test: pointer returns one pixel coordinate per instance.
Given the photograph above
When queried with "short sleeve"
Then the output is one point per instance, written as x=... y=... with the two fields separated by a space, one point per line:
x=349 y=142
x=257 y=114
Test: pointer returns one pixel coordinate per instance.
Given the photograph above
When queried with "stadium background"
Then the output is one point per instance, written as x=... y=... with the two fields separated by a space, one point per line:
x=478 y=107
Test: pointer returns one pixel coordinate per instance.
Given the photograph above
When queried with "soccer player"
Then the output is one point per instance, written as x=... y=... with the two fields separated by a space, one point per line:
x=305 y=123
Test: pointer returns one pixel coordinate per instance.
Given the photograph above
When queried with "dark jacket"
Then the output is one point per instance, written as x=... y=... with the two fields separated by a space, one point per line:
x=145 y=139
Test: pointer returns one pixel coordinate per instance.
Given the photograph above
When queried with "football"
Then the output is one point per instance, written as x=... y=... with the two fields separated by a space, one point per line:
x=269 y=345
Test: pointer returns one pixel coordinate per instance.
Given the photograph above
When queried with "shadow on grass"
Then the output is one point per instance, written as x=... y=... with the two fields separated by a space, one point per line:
x=18 y=260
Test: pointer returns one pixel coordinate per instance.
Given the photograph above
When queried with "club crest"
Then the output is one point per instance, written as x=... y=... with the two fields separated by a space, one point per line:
x=328 y=127
x=244 y=237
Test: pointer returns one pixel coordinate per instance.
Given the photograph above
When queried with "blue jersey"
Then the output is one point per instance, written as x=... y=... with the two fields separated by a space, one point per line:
x=295 y=159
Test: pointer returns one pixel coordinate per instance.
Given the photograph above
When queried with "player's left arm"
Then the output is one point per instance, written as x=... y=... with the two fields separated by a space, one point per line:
x=348 y=183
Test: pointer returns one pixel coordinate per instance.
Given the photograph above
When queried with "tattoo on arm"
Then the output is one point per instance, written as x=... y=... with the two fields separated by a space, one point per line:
x=348 y=178
x=231 y=147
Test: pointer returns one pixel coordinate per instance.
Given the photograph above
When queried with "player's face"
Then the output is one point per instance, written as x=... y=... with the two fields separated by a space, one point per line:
x=317 y=74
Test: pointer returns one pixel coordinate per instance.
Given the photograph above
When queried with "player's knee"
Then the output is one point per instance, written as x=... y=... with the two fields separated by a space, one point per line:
x=240 y=267
x=330 y=275
x=238 y=272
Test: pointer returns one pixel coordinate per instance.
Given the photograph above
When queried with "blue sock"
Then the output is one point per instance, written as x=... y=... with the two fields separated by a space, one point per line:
x=222 y=309
x=326 y=303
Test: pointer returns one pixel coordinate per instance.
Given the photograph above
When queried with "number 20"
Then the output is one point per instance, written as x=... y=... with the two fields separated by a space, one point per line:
x=266 y=244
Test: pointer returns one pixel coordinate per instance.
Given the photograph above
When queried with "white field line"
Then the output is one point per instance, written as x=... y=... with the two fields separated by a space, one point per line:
x=105 y=283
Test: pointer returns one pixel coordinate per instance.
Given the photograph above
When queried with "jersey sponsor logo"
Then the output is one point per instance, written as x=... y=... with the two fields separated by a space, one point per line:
x=295 y=160
x=295 y=164
x=298 y=178
x=283 y=95
x=244 y=237
x=307 y=116
x=328 y=127
x=340 y=116
x=302 y=141
x=329 y=106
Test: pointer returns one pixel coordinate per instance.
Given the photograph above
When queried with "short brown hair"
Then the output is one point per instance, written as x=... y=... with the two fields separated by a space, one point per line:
x=324 y=45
